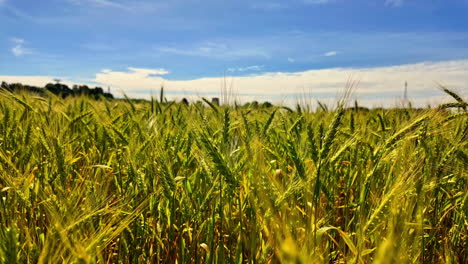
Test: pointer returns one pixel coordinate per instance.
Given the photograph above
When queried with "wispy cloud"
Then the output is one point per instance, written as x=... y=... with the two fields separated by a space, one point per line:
x=248 y=68
x=317 y=2
x=99 y=3
x=291 y=60
x=99 y=47
x=330 y=53
x=365 y=48
x=136 y=7
x=214 y=50
x=268 y=5
x=18 y=49
x=42 y=19
x=17 y=40
x=394 y=3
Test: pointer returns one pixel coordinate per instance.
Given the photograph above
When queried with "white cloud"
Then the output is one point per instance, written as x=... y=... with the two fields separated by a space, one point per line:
x=381 y=86
x=30 y=80
x=18 y=49
x=394 y=3
x=330 y=53
x=248 y=68
x=291 y=60
x=148 y=72
x=378 y=86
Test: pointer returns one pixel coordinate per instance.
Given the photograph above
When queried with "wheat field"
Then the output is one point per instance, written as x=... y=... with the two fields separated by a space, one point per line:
x=119 y=181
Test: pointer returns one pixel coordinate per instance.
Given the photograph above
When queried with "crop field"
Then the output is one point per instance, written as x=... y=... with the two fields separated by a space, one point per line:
x=120 y=181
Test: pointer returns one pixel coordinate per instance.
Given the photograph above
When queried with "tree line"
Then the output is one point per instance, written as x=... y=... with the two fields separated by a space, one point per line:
x=59 y=89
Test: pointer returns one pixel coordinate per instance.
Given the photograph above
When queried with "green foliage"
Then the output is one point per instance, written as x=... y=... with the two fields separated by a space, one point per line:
x=58 y=89
x=122 y=181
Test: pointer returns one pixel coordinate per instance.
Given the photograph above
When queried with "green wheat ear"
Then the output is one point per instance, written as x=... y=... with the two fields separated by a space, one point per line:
x=330 y=136
x=452 y=94
x=214 y=107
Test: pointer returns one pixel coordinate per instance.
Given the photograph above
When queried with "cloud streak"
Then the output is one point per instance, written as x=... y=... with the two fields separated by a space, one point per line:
x=268 y=5
x=99 y=3
x=248 y=68
x=330 y=53
x=148 y=72
x=317 y=2
x=216 y=50
x=135 y=7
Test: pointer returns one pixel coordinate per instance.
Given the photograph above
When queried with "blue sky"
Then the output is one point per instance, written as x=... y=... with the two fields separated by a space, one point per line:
x=181 y=40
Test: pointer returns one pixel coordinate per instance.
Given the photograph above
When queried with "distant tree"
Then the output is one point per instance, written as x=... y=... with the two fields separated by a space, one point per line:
x=59 y=89
x=84 y=90
x=99 y=90
x=184 y=101
x=51 y=88
x=267 y=104
x=96 y=92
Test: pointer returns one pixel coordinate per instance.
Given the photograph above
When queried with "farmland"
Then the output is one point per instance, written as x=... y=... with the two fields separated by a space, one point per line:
x=116 y=181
